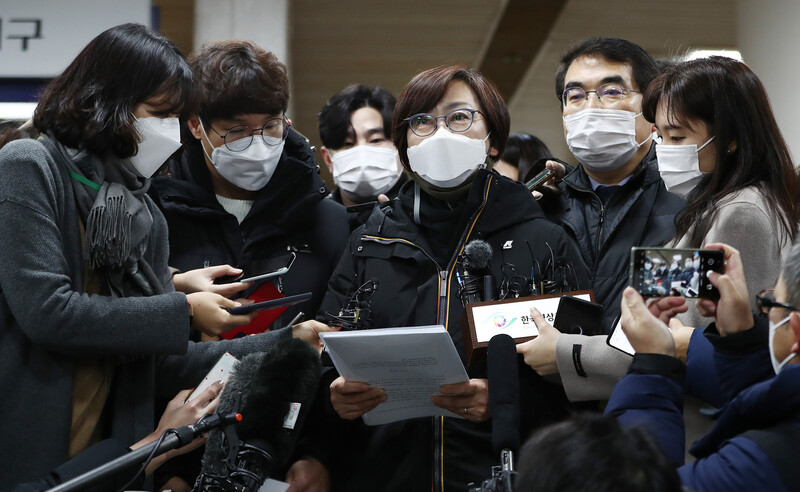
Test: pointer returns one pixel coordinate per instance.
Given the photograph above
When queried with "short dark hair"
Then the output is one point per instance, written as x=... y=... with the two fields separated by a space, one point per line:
x=731 y=101
x=592 y=452
x=523 y=150
x=334 y=118
x=238 y=77
x=90 y=105
x=643 y=65
x=427 y=88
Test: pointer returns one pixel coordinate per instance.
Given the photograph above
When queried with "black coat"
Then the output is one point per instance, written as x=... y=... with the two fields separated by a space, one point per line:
x=289 y=214
x=640 y=213
x=424 y=454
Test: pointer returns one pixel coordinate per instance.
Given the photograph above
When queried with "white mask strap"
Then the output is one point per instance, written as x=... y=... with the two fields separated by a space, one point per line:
x=202 y=129
x=708 y=142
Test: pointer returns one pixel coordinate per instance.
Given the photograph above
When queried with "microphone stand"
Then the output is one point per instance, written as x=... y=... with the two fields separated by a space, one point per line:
x=176 y=438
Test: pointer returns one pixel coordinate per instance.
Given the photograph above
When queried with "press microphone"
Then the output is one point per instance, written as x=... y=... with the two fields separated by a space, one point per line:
x=504 y=405
x=273 y=392
x=471 y=272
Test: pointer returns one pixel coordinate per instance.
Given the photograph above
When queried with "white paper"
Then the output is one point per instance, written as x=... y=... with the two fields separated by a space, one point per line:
x=514 y=318
x=271 y=485
x=410 y=364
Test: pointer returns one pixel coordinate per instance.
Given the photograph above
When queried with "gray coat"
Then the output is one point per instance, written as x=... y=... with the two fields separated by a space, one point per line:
x=640 y=213
x=744 y=220
x=47 y=323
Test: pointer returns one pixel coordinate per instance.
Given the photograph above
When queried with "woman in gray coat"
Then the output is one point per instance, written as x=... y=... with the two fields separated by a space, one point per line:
x=91 y=329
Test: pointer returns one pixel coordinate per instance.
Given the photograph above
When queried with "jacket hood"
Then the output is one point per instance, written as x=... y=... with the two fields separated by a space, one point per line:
x=288 y=198
x=762 y=405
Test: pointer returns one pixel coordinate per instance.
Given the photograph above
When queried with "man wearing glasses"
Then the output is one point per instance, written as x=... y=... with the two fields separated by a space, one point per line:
x=755 y=442
x=245 y=188
x=614 y=200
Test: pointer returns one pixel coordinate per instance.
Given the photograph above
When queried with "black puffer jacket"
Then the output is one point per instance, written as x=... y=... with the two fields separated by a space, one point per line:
x=289 y=214
x=640 y=213
x=414 y=288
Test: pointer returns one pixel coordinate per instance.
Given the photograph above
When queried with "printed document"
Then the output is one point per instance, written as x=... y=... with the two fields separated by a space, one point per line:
x=408 y=363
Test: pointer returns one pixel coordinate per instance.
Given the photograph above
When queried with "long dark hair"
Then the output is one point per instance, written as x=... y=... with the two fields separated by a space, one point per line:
x=730 y=99
x=525 y=151
x=90 y=105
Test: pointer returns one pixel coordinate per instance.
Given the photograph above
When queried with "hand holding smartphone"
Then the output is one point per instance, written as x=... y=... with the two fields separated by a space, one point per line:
x=658 y=272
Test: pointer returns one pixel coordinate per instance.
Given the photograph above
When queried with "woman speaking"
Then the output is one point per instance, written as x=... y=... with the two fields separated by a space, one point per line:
x=449 y=125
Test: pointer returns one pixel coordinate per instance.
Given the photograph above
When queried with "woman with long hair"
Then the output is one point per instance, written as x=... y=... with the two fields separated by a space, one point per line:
x=722 y=150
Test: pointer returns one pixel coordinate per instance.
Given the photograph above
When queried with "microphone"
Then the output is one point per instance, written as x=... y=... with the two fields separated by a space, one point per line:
x=504 y=404
x=273 y=391
x=471 y=272
x=504 y=397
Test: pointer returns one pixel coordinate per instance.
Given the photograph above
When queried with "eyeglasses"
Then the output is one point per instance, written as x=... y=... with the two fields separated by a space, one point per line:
x=458 y=120
x=608 y=95
x=239 y=138
x=766 y=301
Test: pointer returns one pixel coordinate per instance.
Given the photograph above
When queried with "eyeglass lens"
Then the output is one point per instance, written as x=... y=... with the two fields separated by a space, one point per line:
x=608 y=95
x=459 y=120
x=240 y=137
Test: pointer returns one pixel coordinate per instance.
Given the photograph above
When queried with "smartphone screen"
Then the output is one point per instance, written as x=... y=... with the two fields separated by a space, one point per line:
x=659 y=272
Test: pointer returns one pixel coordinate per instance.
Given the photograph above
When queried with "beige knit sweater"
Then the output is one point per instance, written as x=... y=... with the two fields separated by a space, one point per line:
x=742 y=220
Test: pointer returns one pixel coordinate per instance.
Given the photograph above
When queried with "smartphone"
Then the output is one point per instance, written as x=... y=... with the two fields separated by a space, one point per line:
x=539 y=180
x=269 y=268
x=220 y=372
x=271 y=304
x=659 y=272
x=357 y=209
x=619 y=340
x=578 y=316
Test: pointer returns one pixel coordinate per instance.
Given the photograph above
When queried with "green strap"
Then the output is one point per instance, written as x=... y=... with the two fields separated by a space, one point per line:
x=83 y=179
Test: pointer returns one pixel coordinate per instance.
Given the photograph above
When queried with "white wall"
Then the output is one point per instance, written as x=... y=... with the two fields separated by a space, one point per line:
x=769 y=38
x=265 y=22
x=65 y=27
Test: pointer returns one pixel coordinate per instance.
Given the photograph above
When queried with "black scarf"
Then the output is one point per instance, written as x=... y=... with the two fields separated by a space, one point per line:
x=117 y=218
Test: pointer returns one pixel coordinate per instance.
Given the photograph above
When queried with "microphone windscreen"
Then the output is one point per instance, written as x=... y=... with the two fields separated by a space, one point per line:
x=478 y=252
x=503 y=392
x=265 y=388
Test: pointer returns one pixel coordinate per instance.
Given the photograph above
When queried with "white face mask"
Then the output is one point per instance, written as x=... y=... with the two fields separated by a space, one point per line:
x=602 y=139
x=773 y=327
x=160 y=138
x=250 y=169
x=679 y=167
x=365 y=171
x=447 y=159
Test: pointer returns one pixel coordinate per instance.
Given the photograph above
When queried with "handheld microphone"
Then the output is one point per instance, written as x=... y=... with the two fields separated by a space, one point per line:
x=471 y=272
x=273 y=391
x=504 y=404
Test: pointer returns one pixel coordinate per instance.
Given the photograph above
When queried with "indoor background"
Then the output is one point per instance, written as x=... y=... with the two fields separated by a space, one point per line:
x=328 y=44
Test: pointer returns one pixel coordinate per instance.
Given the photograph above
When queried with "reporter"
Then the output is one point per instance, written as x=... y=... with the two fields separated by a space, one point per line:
x=723 y=151
x=178 y=413
x=88 y=315
x=754 y=443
